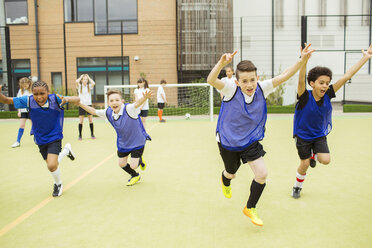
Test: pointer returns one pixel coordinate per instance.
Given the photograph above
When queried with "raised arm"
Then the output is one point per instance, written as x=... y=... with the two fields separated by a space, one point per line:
x=146 y=95
x=354 y=69
x=212 y=77
x=290 y=71
x=5 y=99
x=91 y=81
x=78 y=80
x=302 y=80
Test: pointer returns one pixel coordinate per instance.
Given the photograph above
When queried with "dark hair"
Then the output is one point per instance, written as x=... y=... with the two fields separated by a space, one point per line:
x=163 y=81
x=318 y=71
x=245 y=66
x=111 y=92
x=142 y=80
x=40 y=84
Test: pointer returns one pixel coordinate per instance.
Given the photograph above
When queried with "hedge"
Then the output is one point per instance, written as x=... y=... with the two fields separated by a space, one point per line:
x=348 y=108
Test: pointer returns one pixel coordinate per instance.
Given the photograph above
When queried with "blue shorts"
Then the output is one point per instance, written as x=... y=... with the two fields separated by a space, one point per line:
x=54 y=147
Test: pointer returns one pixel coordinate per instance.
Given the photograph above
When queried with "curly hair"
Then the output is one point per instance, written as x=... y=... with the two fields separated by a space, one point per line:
x=245 y=66
x=40 y=84
x=318 y=71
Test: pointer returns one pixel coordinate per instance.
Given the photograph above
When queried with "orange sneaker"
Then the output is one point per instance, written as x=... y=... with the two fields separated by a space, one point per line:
x=252 y=214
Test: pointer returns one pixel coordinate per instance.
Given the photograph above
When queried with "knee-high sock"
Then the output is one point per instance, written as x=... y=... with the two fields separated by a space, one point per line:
x=226 y=181
x=20 y=133
x=299 y=180
x=129 y=170
x=160 y=114
x=56 y=176
x=256 y=191
x=80 y=129
x=91 y=129
x=62 y=154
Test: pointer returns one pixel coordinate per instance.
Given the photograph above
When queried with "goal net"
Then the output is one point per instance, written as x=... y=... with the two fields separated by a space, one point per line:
x=184 y=101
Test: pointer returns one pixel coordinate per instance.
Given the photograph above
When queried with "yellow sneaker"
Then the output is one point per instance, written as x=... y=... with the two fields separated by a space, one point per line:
x=142 y=164
x=133 y=180
x=226 y=190
x=252 y=213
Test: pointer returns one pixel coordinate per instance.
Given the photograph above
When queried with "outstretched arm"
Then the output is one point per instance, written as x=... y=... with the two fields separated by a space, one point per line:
x=354 y=69
x=212 y=77
x=289 y=72
x=5 y=99
x=146 y=95
x=302 y=80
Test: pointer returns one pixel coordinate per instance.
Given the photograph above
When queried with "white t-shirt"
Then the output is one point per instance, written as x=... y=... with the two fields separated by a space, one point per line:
x=25 y=93
x=160 y=93
x=131 y=111
x=138 y=92
x=85 y=96
x=226 y=79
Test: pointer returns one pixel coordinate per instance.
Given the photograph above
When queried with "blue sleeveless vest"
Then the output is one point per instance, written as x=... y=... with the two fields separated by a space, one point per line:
x=240 y=124
x=131 y=135
x=47 y=123
x=313 y=121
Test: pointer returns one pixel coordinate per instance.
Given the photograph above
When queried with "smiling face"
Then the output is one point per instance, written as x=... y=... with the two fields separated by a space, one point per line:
x=115 y=101
x=248 y=82
x=85 y=80
x=320 y=86
x=40 y=95
x=229 y=72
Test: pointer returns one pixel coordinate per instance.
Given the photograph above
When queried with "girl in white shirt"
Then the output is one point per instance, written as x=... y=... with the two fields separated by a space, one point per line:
x=161 y=98
x=24 y=90
x=142 y=87
x=84 y=85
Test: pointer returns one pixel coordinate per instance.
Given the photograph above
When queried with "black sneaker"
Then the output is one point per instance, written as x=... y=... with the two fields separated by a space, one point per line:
x=296 y=192
x=70 y=154
x=57 y=190
x=312 y=161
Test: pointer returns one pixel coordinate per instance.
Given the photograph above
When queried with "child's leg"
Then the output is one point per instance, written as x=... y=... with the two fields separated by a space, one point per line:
x=143 y=119
x=160 y=114
x=231 y=162
x=81 y=120
x=21 y=129
x=258 y=184
x=123 y=163
x=90 y=118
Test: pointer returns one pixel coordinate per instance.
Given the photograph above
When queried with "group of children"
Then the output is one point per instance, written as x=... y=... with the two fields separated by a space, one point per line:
x=240 y=126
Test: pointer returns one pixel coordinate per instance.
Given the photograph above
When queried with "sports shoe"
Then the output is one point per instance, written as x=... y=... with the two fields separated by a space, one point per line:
x=296 y=192
x=93 y=137
x=312 y=161
x=57 y=190
x=162 y=120
x=133 y=180
x=16 y=144
x=142 y=164
x=226 y=190
x=80 y=138
x=70 y=154
x=252 y=214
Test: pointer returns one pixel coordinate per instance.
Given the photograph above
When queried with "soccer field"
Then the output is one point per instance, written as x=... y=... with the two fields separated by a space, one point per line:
x=179 y=201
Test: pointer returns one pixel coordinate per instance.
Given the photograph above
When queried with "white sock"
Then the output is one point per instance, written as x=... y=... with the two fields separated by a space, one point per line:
x=62 y=154
x=299 y=180
x=56 y=176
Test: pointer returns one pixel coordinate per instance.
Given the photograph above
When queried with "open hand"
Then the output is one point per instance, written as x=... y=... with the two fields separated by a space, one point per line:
x=64 y=100
x=367 y=53
x=226 y=58
x=147 y=94
x=306 y=52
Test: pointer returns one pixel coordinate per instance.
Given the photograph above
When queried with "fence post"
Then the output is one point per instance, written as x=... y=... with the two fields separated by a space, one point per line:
x=303 y=31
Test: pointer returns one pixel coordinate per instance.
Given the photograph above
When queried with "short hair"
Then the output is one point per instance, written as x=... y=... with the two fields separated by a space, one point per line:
x=40 y=84
x=318 y=71
x=245 y=66
x=111 y=92
x=163 y=81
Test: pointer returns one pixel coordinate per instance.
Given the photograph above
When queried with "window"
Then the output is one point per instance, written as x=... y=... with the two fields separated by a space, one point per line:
x=16 y=11
x=57 y=82
x=115 y=16
x=104 y=71
x=78 y=10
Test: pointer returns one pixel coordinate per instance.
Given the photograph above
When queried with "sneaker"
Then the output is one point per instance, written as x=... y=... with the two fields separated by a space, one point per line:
x=57 y=190
x=162 y=120
x=93 y=137
x=252 y=214
x=80 y=138
x=16 y=144
x=70 y=154
x=312 y=161
x=133 y=180
x=296 y=192
x=226 y=190
x=142 y=164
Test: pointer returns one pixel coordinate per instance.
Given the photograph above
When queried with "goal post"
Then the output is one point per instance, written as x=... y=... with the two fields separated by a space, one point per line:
x=195 y=99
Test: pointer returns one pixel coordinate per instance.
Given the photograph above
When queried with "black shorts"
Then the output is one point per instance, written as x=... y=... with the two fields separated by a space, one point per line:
x=54 y=147
x=144 y=113
x=304 y=147
x=25 y=115
x=83 y=112
x=231 y=159
x=134 y=154
x=161 y=105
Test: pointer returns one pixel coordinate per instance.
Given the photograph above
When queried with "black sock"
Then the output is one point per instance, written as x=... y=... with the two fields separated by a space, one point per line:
x=80 y=129
x=91 y=129
x=256 y=191
x=225 y=180
x=129 y=170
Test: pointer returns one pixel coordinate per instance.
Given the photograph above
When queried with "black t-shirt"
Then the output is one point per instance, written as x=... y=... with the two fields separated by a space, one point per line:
x=302 y=100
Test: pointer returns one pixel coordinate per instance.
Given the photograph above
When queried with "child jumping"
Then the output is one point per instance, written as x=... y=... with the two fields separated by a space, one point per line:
x=241 y=123
x=24 y=90
x=313 y=116
x=131 y=135
x=162 y=100
x=47 y=115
